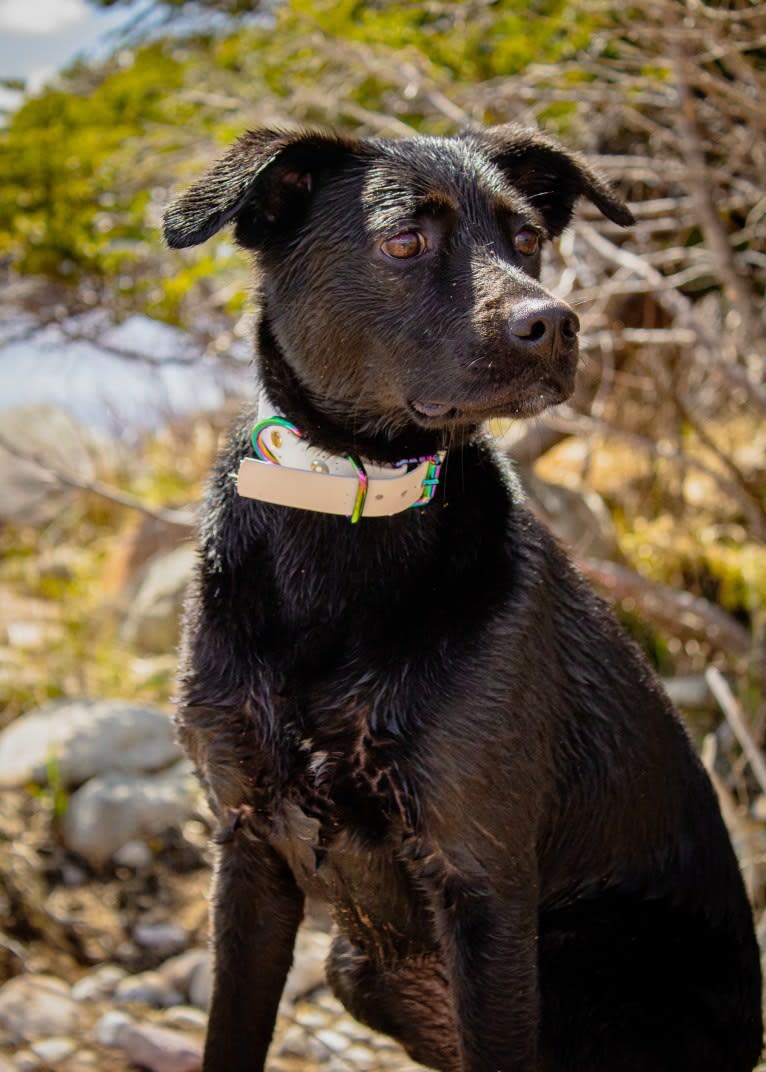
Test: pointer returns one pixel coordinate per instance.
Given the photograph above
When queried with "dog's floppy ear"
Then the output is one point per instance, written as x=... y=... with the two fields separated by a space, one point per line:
x=266 y=175
x=549 y=176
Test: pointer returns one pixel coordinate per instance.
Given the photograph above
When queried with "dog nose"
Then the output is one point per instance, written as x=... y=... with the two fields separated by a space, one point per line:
x=547 y=325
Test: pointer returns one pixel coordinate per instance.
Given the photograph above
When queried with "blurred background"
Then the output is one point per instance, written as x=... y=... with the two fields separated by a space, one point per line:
x=121 y=363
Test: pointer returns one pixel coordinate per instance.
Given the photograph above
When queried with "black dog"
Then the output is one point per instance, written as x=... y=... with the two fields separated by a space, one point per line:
x=426 y=718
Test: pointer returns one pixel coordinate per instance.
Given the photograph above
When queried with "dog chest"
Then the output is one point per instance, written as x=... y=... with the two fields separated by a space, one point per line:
x=348 y=787
x=340 y=825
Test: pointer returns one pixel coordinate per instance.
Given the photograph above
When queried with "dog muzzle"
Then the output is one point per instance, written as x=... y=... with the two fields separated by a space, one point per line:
x=288 y=471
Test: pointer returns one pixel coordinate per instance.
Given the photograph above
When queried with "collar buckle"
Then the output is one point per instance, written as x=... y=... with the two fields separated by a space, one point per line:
x=288 y=471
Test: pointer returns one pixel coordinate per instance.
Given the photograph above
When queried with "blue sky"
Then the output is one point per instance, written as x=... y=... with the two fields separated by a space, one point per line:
x=39 y=37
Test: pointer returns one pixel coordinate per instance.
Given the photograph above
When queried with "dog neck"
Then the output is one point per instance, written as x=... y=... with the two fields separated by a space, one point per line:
x=289 y=471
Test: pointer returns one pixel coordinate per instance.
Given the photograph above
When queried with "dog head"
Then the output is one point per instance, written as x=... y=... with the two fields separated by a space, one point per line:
x=400 y=278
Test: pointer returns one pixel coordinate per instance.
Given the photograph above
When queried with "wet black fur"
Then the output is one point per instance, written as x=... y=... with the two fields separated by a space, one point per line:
x=429 y=720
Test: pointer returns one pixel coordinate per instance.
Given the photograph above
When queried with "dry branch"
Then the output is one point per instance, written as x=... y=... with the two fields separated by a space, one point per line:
x=678 y=613
x=703 y=193
x=184 y=519
x=734 y=716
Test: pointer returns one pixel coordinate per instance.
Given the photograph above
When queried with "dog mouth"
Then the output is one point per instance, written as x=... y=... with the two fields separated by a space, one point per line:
x=438 y=413
x=434 y=411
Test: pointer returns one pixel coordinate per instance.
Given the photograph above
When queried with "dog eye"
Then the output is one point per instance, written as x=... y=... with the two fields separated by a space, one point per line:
x=406 y=244
x=526 y=241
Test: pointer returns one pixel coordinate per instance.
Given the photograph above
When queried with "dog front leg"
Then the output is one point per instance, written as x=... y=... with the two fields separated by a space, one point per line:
x=257 y=908
x=489 y=942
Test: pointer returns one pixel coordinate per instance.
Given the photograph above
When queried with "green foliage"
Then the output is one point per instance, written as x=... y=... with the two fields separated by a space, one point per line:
x=470 y=41
x=361 y=58
x=226 y=7
x=57 y=791
x=74 y=164
x=70 y=577
x=86 y=167
x=719 y=561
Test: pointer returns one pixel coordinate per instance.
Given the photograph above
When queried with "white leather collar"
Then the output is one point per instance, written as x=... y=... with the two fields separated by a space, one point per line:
x=288 y=471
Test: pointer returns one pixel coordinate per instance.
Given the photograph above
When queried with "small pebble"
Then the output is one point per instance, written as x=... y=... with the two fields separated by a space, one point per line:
x=162 y=937
x=185 y=1018
x=37 y=1006
x=334 y=1041
x=148 y=987
x=178 y=971
x=98 y=984
x=307 y=972
x=161 y=1049
x=311 y=1017
x=351 y=1029
x=135 y=855
x=53 y=1051
x=73 y=876
x=201 y=984
x=26 y=1061
x=108 y=1028
x=85 y=1061
x=360 y=1056
x=294 y=1042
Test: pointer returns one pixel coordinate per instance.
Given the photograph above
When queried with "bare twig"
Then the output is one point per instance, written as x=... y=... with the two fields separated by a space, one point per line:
x=733 y=712
x=746 y=490
x=676 y=612
x=702 y=191
x=181 y=518
x=744 y=834
x=675 y=302
x=572 y=423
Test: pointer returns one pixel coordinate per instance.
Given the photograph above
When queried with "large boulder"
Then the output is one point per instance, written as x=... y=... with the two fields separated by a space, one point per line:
x=81 y=738
x=111 y=810
x=152 y=622
x=37 y=1006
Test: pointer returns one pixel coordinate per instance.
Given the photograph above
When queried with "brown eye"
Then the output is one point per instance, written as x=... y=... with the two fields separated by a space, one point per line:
x=526 y=241
x=406 y=244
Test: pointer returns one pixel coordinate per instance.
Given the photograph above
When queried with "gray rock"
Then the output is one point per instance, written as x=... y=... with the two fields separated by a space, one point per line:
x=135 y=855
x=185 y=1017
x=332 y=1039
x=52 y=1051
x=72 y=876
x=161 y=937
x=148 y=987
x=296 y=1042
x=98 y=984
x=178 y=971
x=85 y=1061
x=192 y=972
x=108 y=1028
x=152 y=622
x=26 y=1061
x=85 y=738
x=307 y=972
x=160 y=1049
x=109 y=811
x=360 y=1056
x=37 y=1006
x=201 y=984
